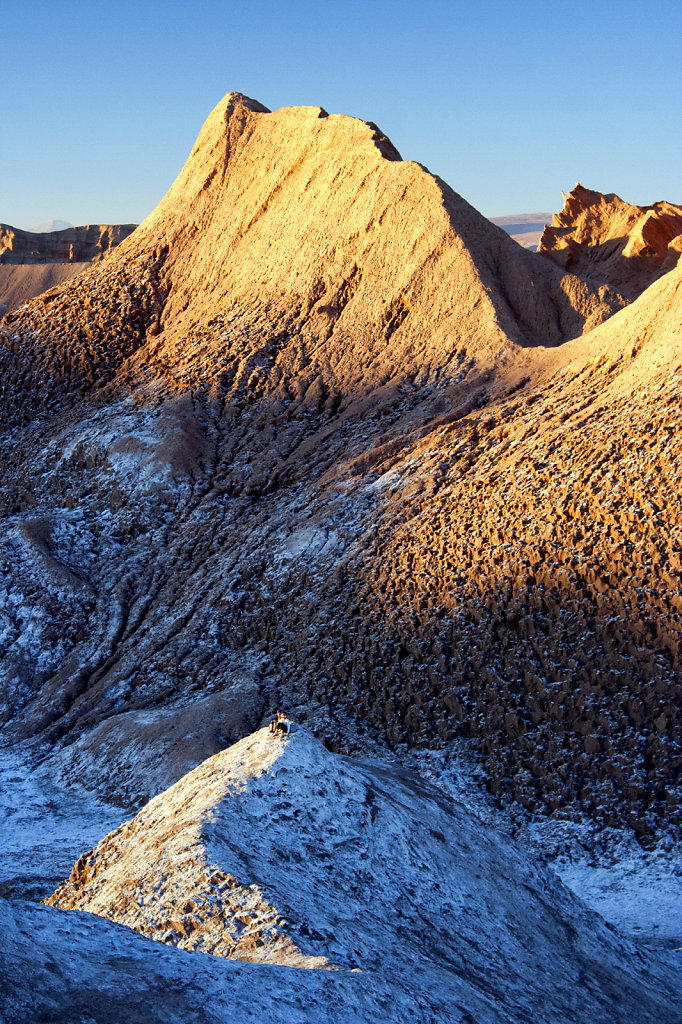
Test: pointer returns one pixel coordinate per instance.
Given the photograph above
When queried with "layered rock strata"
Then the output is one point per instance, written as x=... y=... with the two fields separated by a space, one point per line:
x=33 y=262
x=70 y=245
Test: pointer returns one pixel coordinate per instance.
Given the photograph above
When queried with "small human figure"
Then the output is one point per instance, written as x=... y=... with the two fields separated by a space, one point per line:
x=280 y=723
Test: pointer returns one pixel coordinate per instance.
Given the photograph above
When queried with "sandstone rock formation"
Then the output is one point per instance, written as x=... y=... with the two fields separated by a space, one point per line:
x=319 y=433
x=276 y=851
x=603 y=238
x=32 y=262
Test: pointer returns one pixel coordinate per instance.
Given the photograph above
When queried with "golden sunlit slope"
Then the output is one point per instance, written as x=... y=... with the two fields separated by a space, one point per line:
x=525 y=568
x=352 y=267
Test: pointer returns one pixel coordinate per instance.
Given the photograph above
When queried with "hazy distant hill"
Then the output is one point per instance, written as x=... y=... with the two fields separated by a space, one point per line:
x=51 y=225
x=525 y=228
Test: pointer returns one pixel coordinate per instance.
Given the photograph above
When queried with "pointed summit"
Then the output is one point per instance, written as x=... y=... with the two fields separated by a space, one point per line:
x=314 y=431
x=310 y=230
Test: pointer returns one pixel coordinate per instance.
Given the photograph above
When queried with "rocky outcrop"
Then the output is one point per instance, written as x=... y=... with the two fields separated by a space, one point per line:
x=608 y=240
x=314 y=432
x=276 y=851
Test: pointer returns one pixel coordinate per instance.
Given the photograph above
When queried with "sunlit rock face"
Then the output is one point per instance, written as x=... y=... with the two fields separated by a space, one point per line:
x=317 y=433
x=276 y=851
x=606 y=239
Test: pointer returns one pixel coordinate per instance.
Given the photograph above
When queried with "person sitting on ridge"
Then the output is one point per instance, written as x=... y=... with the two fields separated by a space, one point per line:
x=280 y=723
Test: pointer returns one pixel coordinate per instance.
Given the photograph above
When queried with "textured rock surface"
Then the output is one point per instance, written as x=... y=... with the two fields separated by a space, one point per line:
x=59 y=968
x=314 y=433
x=603 y=238
x=278 y=851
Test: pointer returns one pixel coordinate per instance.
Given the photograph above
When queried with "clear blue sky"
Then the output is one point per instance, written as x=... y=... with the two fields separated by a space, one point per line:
x=508 y=102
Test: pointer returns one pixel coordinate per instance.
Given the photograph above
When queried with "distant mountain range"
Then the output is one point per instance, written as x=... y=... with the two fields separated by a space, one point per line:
x=525 y=228
x=50 y=225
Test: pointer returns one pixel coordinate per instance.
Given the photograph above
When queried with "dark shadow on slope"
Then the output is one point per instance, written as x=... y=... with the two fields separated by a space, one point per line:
x=573 y=706
x=127 y=649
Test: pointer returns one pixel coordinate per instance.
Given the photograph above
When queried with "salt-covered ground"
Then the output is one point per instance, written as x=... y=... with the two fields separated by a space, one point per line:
x=426 y=911
x=637 y=890
x=44 y=825
x=640 y=893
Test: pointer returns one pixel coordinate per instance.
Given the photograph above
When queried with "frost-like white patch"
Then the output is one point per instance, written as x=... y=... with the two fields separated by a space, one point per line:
x=45 y=826
x=638 y=891
x=641 y=894
x=422 y=903
x=311 y=542
x=391 y=478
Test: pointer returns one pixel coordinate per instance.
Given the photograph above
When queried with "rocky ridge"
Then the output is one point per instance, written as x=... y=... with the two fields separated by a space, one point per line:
x=606 y=239
x=317 y=433
x=69 y=245
x=276 y=851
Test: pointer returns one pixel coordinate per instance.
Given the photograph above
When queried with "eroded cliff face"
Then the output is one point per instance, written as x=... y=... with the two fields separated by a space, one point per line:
x=604 y=238
x=314 y=433
x=33 y=262
x=70 y=245
x=334 y=259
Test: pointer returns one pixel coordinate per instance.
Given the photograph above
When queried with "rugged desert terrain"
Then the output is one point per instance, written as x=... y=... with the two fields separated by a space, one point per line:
x=318 y=434
x=603 y=237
